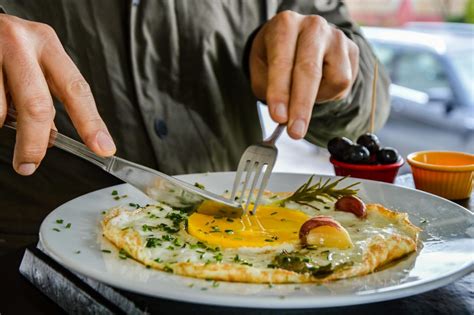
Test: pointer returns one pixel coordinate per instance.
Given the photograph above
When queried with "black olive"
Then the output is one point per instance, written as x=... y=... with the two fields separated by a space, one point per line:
x=357 y=154
x=370 y=141
x=337 y=146
x=387 y=155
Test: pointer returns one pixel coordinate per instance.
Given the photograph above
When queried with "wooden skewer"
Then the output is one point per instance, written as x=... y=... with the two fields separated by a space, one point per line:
x=374 y=98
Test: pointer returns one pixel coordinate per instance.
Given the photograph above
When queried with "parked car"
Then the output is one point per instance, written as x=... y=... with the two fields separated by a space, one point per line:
x=462 y=29
x=432 y=89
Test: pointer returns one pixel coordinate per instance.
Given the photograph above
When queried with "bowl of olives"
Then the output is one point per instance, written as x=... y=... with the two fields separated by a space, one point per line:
x=365 y=158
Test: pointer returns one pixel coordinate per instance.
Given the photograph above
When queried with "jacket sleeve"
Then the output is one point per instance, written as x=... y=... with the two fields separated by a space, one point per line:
x=349 y=117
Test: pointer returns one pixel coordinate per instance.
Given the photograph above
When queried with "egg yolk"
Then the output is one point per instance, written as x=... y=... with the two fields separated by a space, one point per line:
x=269 y=226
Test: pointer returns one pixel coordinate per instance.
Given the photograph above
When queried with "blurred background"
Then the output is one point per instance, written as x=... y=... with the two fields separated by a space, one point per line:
x=427 y=48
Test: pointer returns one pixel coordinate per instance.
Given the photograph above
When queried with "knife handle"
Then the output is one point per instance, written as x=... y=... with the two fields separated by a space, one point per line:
x=65 y=143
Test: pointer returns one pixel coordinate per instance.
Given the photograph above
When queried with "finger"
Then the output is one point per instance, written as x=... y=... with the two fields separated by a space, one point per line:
x=258 y=68
x=280 y=42
x=307 y=73
x=3 y=99
x=337 y=72
x=52 y=135
x=34 y=106
x=71 y=88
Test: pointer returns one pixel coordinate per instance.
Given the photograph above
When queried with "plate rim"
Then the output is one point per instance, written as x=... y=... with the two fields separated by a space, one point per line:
x=259 y=301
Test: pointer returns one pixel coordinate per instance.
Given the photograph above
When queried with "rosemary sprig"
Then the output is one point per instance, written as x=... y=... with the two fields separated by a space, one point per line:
x=320 y=192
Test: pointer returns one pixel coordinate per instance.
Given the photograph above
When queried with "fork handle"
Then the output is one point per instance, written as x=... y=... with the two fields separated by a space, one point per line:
x=275 y=135
x=67 y=144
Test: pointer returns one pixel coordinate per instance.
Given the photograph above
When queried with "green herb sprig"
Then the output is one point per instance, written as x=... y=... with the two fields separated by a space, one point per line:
x=321 y=192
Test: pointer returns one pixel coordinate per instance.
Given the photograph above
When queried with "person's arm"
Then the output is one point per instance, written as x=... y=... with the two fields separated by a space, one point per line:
x=343 y=75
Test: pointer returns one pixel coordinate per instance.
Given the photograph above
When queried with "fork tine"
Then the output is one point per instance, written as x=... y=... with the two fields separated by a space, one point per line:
x=263 y=185
x=256 y=177
x=243 y=165
x=252 y=165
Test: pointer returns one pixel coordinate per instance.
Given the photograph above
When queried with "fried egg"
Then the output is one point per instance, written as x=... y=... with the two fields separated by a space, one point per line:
x=255 y=248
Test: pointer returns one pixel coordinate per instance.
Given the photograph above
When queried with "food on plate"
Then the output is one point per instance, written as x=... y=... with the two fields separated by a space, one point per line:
x=324 y=231
x=351 y=204
x=293 y=237
x=367 y=150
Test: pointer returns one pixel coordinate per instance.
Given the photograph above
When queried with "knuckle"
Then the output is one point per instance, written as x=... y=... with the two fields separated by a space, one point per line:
x=309 y=68
x=39 y=109
x=42 y=28
x=281 y=62
x=339 y=35
x=353 y=50
x=78 y=87
x=274 y=97
x=12 y=35
x=316 y=22
x=342 y=83
x=32 y=153
x=286 y=17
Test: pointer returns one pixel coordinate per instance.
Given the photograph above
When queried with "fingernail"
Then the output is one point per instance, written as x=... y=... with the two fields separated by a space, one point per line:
x=280 y=110
x=298 y=127
x=105 y=142
x=26 y=169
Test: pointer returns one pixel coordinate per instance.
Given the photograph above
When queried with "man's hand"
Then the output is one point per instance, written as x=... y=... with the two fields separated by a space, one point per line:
x=33 y=63
x=297 y=60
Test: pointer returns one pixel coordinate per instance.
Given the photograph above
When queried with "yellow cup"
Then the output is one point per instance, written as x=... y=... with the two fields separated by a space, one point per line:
x=443 y=173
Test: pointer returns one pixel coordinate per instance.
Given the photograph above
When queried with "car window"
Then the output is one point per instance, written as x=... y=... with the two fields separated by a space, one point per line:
x=385 y=54
x=419 y=71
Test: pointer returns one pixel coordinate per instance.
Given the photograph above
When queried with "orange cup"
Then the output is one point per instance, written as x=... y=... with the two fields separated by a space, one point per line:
x=443 y=173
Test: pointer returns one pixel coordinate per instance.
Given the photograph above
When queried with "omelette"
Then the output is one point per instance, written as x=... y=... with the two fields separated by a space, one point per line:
x=283 y=242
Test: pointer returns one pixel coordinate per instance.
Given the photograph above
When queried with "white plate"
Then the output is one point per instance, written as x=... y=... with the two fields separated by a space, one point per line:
x=446 y=253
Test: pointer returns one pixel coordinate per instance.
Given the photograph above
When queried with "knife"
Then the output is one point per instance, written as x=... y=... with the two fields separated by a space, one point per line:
x=155 y=184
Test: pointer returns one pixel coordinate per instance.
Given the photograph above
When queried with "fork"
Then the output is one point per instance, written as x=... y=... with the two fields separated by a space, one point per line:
x=255 y=158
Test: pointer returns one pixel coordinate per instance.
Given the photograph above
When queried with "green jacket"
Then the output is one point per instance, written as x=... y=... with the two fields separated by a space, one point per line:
x=168 y=81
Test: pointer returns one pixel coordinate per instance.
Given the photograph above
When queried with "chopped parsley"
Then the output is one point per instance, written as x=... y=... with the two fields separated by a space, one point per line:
x=229 y=231
x=114 y=193
x=59 y=221
x=198 y=185
x=68 y=225
x=218 y=257
x=153 y=242
x=273 y=213
x=229 y=220
x=77 y=252
x=123 y=254
x=106 y=251
x=57 y=230
x=215 y=284
x=158 y=260
x=148 y=228
x=167 y=268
